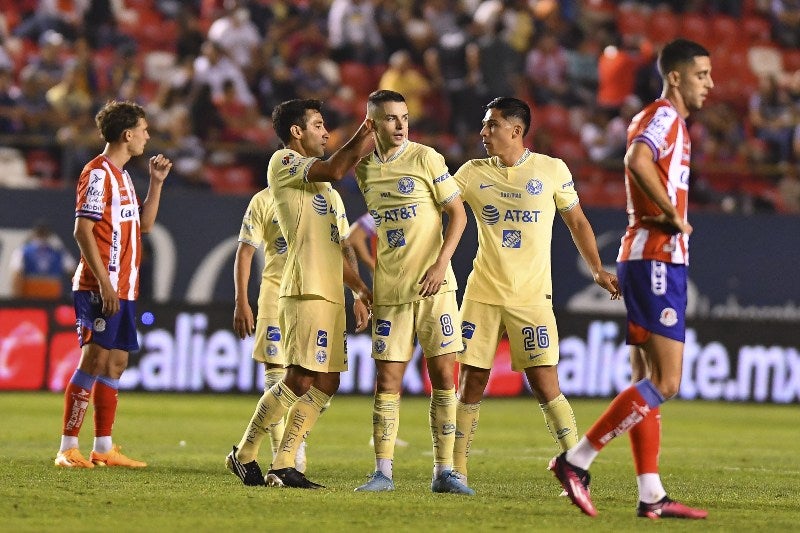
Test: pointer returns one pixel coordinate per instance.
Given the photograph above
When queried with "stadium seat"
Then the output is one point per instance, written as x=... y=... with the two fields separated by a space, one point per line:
x=358 y=77
x=632 y=22
x=231 y=179
x=553 y=118
x=696 y=28
x=663 y=27
x=724 y=30
x=791 y=60
x=757 y=29
x=570 y=149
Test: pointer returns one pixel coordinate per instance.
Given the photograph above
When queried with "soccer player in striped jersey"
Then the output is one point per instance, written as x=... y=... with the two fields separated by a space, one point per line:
x=652 y=268
x=406 y=186
x=109 y=221
x=311 y=300
x=515 y=195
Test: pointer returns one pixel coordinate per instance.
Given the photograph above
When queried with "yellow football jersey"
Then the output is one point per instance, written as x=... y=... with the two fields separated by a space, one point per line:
x=404 y=195
x=310 y=216
x=514 y=208
x=260 y=228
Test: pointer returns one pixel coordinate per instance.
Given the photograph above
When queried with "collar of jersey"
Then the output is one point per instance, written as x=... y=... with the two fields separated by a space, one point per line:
x=525 y=155
x=395 y=156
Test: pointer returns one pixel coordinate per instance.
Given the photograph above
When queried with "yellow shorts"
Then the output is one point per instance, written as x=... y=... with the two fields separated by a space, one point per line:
x=267 y=346
x=314 y=333
x=532 y=334
x=434 y=320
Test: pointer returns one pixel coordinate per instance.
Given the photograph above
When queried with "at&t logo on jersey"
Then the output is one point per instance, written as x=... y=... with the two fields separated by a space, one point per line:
x=322 y=338
x=379 y=346
x=273 y=333
x=512 y=238
x=534 y=187
x=521 y=215
x=396 y=238
x=405 y=185
x=319 y=204
x=490 y=215
x=280 y=246
x=383 y=327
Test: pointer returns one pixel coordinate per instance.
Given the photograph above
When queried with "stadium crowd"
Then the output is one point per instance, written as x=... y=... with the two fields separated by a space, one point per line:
x=209 y=73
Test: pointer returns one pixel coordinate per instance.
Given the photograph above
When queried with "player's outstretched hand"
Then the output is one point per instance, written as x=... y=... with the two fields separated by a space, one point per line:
x=609 y=282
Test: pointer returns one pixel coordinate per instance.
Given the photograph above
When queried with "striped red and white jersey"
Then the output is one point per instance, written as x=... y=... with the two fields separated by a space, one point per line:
x=106 y=195
x=661 y=128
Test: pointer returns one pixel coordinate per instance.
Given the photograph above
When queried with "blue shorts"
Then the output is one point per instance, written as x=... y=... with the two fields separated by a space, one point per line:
x=655 y=299
x=117 y=332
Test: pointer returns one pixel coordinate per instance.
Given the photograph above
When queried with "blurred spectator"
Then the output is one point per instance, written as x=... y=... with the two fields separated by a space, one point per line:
x=785 y=16
x=582 y=69
x=236 y=34
x=185 y=150
x=69 y=98
x=616 y=72
x=101 y=20
x=51 y=16
x=546 y=70
x=79 y=143
x=39 y=266
x=10 y=111
x=48 y=64
x=403 y=77
x=213 y=68
x=593 y=134
x=315 y=76
x=207 y=124
x=189 y=41
x=37 y=116
x=240 y=119
x=500 y=65
x=391 y=17
x=771 y=116
x=353 y=33
x=125 y=72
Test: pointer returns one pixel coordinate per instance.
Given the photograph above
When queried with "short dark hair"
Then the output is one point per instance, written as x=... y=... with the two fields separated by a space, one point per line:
x=292 y=113
x=677 y=53
x=512 y=107
x=382 y=96
x=116 y=117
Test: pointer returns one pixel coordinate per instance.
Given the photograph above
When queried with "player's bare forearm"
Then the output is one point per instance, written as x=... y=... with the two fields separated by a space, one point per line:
x=583 y=236
x=639 y=162
x=433 y=278
x=336 y=166
x=243 y=323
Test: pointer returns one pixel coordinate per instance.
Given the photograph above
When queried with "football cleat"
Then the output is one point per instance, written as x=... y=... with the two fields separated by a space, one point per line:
x=115 y=458
x=448 y=483
x=290 y=477
x=72 y=458
x=378 y=482
x=667 y=508
x=575 y=481
x=250 y=473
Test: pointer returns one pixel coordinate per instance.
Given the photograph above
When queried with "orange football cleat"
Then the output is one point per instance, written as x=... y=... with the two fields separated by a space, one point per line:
x=115 y=458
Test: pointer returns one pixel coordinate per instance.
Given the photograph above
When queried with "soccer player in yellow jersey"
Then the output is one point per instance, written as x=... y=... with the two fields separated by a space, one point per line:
x=406 y=187
x=311 y=304
x=260 y=229
x=514 y=194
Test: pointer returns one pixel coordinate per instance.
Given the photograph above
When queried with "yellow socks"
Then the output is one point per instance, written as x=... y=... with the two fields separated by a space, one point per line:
x=301 y=418
x=271 y=377
x=467 y=415
x=442 y=417
x=561 y=422
x=270 y=409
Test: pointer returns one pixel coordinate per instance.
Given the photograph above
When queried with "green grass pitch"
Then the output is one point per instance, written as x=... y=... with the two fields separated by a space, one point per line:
x=740 y=461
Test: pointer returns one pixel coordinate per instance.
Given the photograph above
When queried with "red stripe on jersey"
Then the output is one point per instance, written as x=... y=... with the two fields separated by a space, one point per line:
x=106 y=195
x=660 y=127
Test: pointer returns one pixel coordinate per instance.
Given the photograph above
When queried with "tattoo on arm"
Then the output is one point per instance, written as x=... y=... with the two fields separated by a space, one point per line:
x=349 y=254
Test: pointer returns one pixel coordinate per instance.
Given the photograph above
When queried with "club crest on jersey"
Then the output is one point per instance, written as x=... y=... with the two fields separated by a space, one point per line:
x=273 y=333
x=668 y=317
x=321 y=356
x=287 y=159
x=512 y=238
x=534 y=187
x=280 y=246
x=379 y=346
x=272 y=351
x=322 y=338
x=383 y=327
x=405 y=185
x=467 y=329
x=490 y=215
x=396 y=238
x=319 y=204
x=376 y=217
